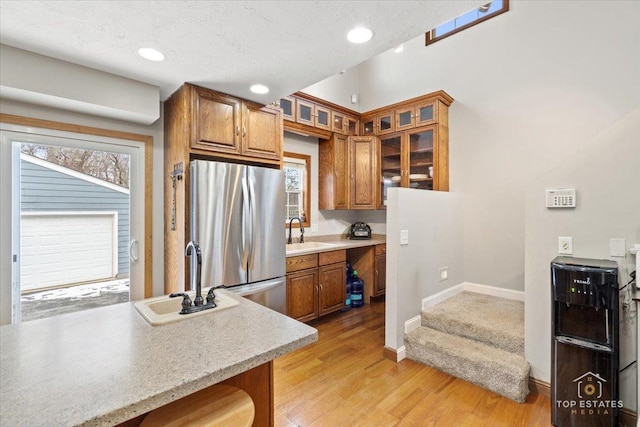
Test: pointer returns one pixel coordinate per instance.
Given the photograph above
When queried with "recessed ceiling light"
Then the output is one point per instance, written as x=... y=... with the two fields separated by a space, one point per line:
x=359 y=35
x=259 y=89
x=150 y=54
x=399 y=48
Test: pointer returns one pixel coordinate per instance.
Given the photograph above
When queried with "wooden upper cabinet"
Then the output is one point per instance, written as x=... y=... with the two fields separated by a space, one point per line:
x=216 y=121
x=363 y=167
x=287 y=105
x=322 y=118
x=305 y=112
x=334 y=173
x=385 y=123
x=227 y=125
x=352 y=125
x=420 y=114
x=261 y=131
x=368 y=125
x=338 y=122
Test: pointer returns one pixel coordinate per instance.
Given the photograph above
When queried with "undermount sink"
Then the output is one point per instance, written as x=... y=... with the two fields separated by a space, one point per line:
x=300 y=247
x=161 y=310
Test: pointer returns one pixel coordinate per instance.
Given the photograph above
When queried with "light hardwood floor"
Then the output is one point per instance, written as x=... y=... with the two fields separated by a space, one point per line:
x=343 y=380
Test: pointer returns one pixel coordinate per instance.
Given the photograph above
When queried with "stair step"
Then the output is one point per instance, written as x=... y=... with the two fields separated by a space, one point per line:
x=502 y=372
x=498 y=322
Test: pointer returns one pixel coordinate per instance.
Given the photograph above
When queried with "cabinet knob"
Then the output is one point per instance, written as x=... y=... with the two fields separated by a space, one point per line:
x=237 y=130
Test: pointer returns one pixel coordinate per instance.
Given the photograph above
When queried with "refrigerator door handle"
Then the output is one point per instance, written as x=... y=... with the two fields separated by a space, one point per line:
x=246 y=243
x=254 y=222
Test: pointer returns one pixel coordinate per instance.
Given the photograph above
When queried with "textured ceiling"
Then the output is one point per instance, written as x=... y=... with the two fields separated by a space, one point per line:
x=223 y=45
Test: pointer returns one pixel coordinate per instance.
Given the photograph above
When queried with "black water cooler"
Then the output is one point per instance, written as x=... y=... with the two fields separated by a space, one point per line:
x=584 y=347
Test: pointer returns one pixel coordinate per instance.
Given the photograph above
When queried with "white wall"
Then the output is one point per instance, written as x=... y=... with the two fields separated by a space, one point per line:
x=434 y=222
x=329 y=222
x=155 y=130
x=530 y=86
x=606 y=176
x=37 y=79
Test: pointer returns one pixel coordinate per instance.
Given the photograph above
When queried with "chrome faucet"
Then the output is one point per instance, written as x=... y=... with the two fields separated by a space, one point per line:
x=191 y=247
x=195 y=281
x=290 y=240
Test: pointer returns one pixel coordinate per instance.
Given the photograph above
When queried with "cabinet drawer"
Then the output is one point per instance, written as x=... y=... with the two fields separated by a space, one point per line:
x=381 y=249
x=302 y=262
x=326 y=258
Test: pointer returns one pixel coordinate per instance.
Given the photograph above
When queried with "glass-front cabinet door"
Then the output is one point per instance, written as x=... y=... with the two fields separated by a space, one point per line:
x=426 y=113
x=351 y=125
x=390 y=165
x=338 y=121
x=287 y=105
x=368 y=126
x=405 y=118
x=385 y=123
x=420 y=152
x=323 y=117
x=305 y=113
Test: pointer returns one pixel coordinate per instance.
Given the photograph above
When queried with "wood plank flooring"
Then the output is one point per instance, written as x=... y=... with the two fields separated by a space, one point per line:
x=343 y=380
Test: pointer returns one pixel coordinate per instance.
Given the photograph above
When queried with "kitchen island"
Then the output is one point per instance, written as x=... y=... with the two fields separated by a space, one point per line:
x=105 y=366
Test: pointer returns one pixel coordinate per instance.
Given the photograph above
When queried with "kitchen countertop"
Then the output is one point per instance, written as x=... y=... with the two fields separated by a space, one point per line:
x=107 y=365
x=339 y=242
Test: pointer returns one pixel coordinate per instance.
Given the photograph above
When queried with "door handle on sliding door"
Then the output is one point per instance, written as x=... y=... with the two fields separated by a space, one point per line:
x=133 y=253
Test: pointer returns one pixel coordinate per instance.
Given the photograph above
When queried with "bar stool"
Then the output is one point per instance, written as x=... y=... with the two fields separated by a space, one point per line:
x=220 y=405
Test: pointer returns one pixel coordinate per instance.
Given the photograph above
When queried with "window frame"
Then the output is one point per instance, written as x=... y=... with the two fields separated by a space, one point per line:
x=430 y=40
x=306 y=196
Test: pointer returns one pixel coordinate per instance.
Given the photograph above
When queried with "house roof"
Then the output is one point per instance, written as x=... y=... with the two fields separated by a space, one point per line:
x=73 y=173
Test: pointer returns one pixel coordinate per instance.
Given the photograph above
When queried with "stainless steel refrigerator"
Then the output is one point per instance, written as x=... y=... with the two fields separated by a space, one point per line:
x=237 y=218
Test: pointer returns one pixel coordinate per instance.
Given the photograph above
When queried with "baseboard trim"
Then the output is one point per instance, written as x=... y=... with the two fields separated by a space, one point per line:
x=494 y=291
x=628 y=418
x=444 y=295
x=412 y=324
x=441 y=296
x=393 y=354
x=539 y=387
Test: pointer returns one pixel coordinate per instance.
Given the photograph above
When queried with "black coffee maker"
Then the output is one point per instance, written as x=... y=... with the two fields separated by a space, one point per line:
x=584 y=347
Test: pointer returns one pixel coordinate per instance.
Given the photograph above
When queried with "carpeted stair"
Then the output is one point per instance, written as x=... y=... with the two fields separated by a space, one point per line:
x=475 y=337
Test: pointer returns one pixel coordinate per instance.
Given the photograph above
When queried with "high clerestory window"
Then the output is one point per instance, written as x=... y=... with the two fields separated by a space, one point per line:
x=469 y=19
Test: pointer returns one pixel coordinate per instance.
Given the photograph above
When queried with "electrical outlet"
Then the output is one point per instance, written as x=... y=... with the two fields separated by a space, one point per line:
x=444 y=274
x=565 y=245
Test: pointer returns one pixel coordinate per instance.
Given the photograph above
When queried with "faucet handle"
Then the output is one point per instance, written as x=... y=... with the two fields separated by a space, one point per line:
x=211 y=296
x=186 y=301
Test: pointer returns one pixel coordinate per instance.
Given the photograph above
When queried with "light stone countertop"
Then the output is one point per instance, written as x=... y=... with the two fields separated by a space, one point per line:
x=338 y=242
x=107 y=365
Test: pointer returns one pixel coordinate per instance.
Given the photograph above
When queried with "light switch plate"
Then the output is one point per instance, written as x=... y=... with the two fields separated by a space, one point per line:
x=618 y=247
x=404 y=237
x=565 y=245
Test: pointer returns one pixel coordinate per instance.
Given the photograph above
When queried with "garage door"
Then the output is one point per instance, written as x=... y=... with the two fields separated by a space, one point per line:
x=60 y=249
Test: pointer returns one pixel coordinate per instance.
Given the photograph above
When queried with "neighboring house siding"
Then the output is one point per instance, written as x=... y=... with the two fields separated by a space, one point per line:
x=44 y=189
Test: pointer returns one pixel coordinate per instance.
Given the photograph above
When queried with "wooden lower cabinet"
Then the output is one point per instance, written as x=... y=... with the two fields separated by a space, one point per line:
x=332 y=287
x=302 y=294
x=316 y=284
